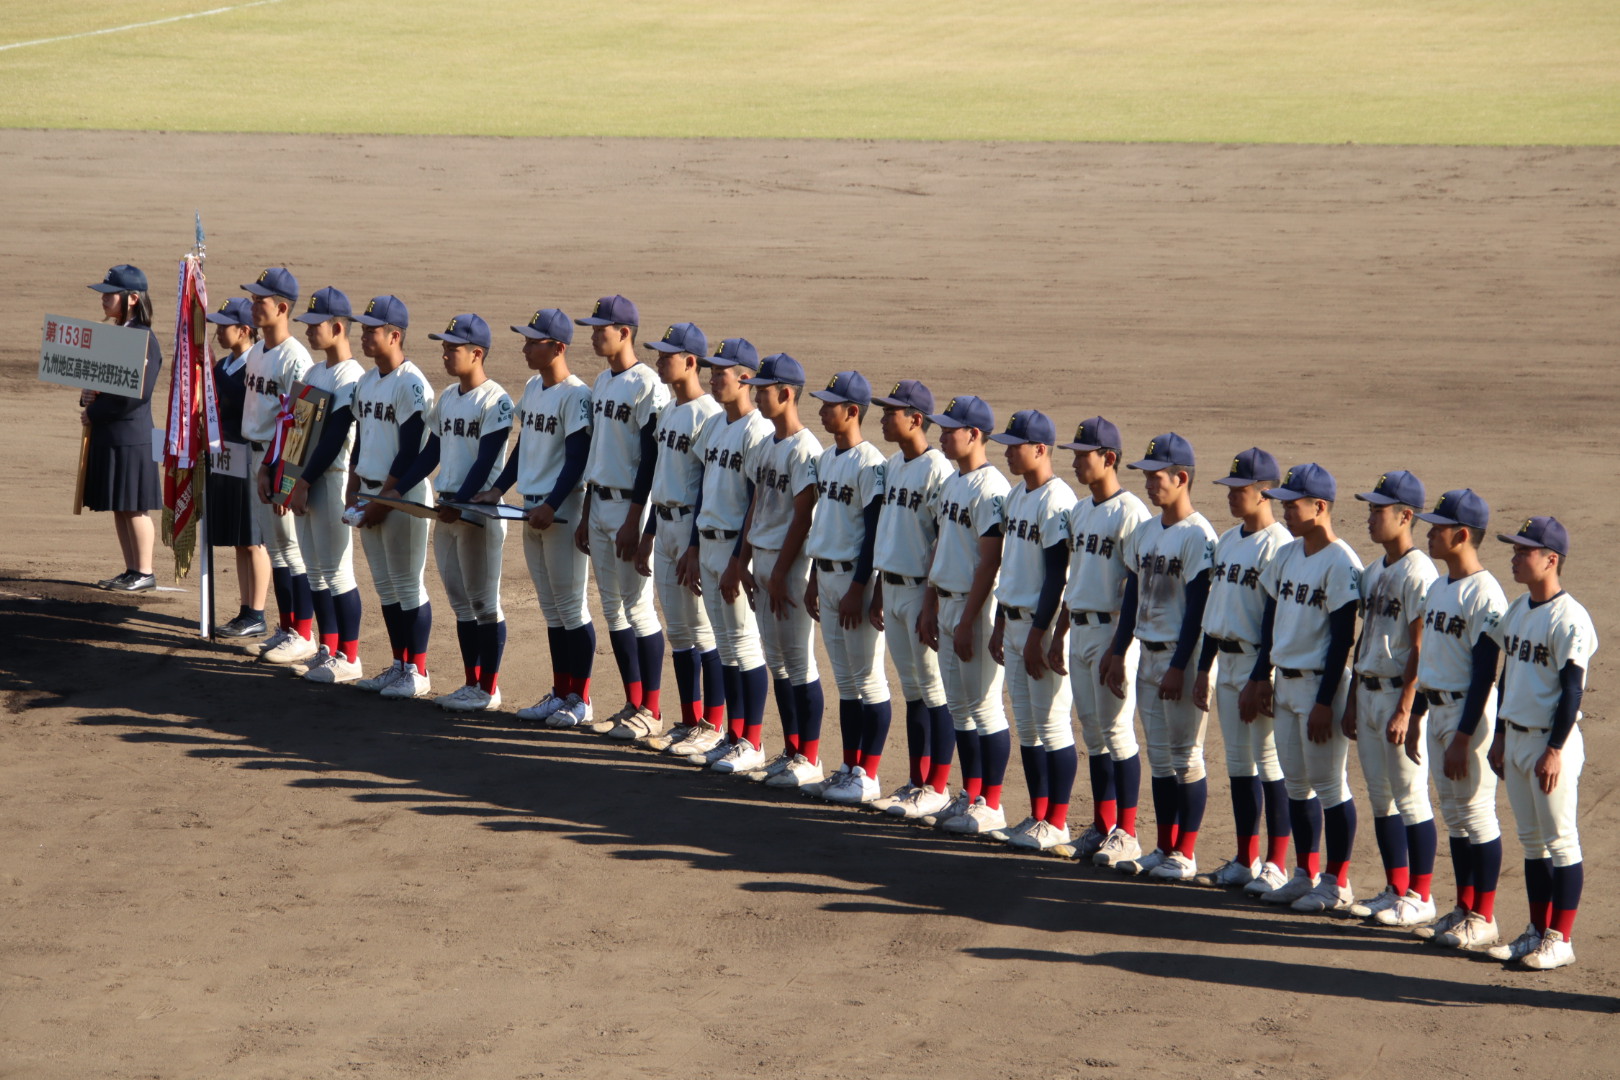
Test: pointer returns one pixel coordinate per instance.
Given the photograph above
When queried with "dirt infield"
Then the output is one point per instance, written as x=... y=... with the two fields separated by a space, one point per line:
x=209 y=869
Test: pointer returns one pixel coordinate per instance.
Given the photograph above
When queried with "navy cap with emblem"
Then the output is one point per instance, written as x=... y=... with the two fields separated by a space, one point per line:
x=1398 y=488
x=122 y=278
x=1307 y=481
x=966 y=411
x=1097 y=433
x=683 y=337
x=734 y=352
x=325 y=304
x=612 y=310
x=276 y=281
x=908 y=394
x=465 y=330
x=1462 y=506
x=846 y=388
x=385 y=310
x=778 y=368
x=1167 y=451
x=237 y=311
x=1252 y=466
x=1027 y=426
x=1540 y=532
x=548 y=324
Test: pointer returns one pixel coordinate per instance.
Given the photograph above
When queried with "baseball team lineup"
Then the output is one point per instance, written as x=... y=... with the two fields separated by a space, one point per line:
x=723 y=531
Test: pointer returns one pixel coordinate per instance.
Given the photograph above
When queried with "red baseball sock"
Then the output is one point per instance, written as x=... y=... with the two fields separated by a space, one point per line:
x=1421 y=884
x=689 y=712
x=1107 y=816
x=1563 y=922
x=402 y=655
x=1465 y=897
x=992 y=796
x=1340 y=872
x=939 y=777
x=973 y=786
x=582 y=687
x=734 y=727
x=919 y=769
x=852 y=756
x=1484 y=904
x=649 y=701
x=632 y=693
x=1311 y=861
x=1167 y=837
x=304 y=628
x=870 y=762
x=1127 y=820
x=331 y=643
x=350 y=651
x=791 y=742
x=488 y=681
x=1277 y=850
x=420 y=660
x=1400 y=879
x=470 y=674
x=811 y=749
x=1248 y=849
x=1186 y=841
x=755 y=734
x=715 y=717
x=1037 y=808
x=1541 y=916
x=1057 y=815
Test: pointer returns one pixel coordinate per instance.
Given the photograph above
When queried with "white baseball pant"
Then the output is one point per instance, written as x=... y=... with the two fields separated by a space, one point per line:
x=1394 y=783
x=856 y=655
x=627 y=599
x=556 y=566
x=1173 y=730
x=1468 y=806
x=915 y=663
x=1547 y=822
x=279 y=531
x=686 y=621
x=396 y=551
x=1106 y=725
x=469 y=559
x=1041 y=707
x=972 y=687
x=736 y=633
x=788 y=642
x=325 y=542
x=1251 y=749
x=1311 y=770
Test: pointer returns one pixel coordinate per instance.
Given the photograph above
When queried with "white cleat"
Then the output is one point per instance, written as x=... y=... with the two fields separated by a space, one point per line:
x=772 y=767
x=1328 y=895
x=1295 y=887
x=820 y=788
x=1271 y=876
x=443 y=700
x=1473 y=934
x=883 y=802
x=259 y=648
x=474 y=700
x=1175 y=867
x=696 y=739
x=1231 y=875
x=663 y=740
x=1367 y=909
x=1553 y=952
x=376 y=683
x=1041 y=836
x=608 y=723
x=742 y=757
x=977 y=820
x=542 y=709
x=920 y=802
x=713 y=754
x=1117 y=847
x=1519 y=948
x=1087 y=843
x=798 y=773
x=1441 y=925
x=1409 y=911
x=302 y=668
x=292 y=649
x=857 y=790
x=1146 y=864
x=575 y=712
x=410 y=684
x=955 y=808
x=640 y=724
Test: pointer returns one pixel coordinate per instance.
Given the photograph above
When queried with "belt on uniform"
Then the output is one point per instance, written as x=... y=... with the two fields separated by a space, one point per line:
x=1374 y=683
x=369 y=483
x=891 y=578
x=671 y=513
x=718 y=534
x=1522 y=730
x=1229 y=645
x=946 y=594
x=1443 y=697
x=831 y=566
x=1018 y=613
x=609 y=494
x=1091 y=618
x=1295 y=673
x=1158 y=646
x=261 y=447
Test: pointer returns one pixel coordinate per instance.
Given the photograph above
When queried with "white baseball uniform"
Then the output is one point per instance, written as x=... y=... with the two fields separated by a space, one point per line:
x=730 y=451
x=846 y=482
x=546 y=417
x=969 y=507
x=1098 y=533
x=677 y=476
x=269 y=376
x=623 y=403
x=396 y=549
x=784 y=468
x=907 y=528
x=1391 y=597
x=1032 y=521
x=324 y=541
x=1232 y=616
x=469 y=556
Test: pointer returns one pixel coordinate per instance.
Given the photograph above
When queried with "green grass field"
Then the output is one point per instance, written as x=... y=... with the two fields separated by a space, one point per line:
x=1371 y=71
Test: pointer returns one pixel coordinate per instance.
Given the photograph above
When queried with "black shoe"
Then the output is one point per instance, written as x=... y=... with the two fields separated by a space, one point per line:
x=243 y=626
x=114 y=582
x=135 y=583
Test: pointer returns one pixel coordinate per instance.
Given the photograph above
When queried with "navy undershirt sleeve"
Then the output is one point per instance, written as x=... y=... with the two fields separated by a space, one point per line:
x=576 y=450
x=1572 y=683
x=1127 y=615
x=1197 y=592
x=1206 y=655
x=1482 y=675
x=1268 y=627
x=649 y=460
x=697 y=508
x=489 y=448
x=1057 y=575
x=1341 y=636
x=503 y=483
x=869 y=519
x=736 y=549
x=410 y=439
x=419 y=467
x=326 y=451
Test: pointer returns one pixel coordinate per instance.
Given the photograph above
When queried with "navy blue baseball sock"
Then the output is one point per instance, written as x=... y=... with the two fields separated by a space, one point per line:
x=467 y=639
x=756 y=687
x=1128 y=790
x=1462 y=869
x=650 y=658
x=1166 y=810
x=995 y=751
x=1566 y=901
x=1538 y=889
x=1306 y=817
x=1339 y=823
x=688 y=671
x=849 y=729
x=917 y=741
x=1390 y=833
x=1422 y=842
x=348 y=624
x=625 y=655
x=875 y=721
x=1035 y=778
x=1062 y=766
x=968 y=752
x=809 y=704
x=1487 y=866
x=714 y=688
x=787 y=709
x=1279 y=827
x=491 y=646
x=1248 y=796
x=420 y=620
x=281 y=585
x=320 y=602
x=1192 y=797
x=1104 y=808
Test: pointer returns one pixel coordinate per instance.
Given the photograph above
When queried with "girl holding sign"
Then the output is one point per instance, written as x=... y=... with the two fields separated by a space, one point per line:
x=231 y=521
x=120 y=474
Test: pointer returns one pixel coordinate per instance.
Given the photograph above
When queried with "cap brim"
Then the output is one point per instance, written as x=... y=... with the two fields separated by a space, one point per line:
x=836 y=399
x=534 y=335
x=220 y=319
x=948 y=421
x=592 y=320
x=720 y=361
x=1155 y=465
x=1282 y=494
x=1240 y=481
x=103 y=287
x=1438 y=519
x=1083 y=446
x=1376 y=499
x=370 y=320
x=259 y=290
x=315 y=318
x=896 y=403
x=667 y=347
x=452 y=339
x=1523 y=541
x=1005 y=439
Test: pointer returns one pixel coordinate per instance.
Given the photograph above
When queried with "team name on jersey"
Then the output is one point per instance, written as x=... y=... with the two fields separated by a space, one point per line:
x=723 y=458
x=1025 y=530
x=911 y=500
x=1235 y=573
x=777 y=481
x=834 y=492
x=1098 y=544
x=1302 y=595
x=460 y=428
x=376 y=410
x=1527 y=652
x=613 y=410
x=1453 y=624
x=539 y=423
x=957 y=513
x=261 y=385
x=1387 y=607
x=674 y=440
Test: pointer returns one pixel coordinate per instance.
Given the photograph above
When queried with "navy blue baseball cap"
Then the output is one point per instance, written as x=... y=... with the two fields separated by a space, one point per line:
x=966 y=411
x=549 y=324
x=1097 y=433
x=612 y=310
x=1460 y=507
x=682 y=337
x=908 y=394
x=735 y=352
x=1540 y=532
x=1398 y=488
x=1252 y=466
x=1167 y=451
x=122 y=278
x=778 y=368
x=237 y=311
x=276 y=281
x=1308 y=481
x=324 y=304
x=385 y=310
x=465 y=330
x=846 y=388
x=1027 y=426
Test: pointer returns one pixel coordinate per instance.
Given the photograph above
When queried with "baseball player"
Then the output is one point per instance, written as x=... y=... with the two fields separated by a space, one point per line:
x=391 y=406
x=1099 y=527
x=1313 y=587
x=906 y=532
x=1383 y=699
x=467 y=435
x=773 y=541
x=319 y=496
x=1457 y=677
x=277 y=361
x=1035 y=563
x=676 y=490
x=1232 y=636
x=1547 y=643
x=1168 y=560
x=729 y=448
x=843 y=535
x=967 y=559
x=548 y=466
x=626 y=398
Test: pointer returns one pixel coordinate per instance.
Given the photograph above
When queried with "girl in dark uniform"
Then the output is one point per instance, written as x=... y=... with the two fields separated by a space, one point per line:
x=120 y=474
x=228 y=509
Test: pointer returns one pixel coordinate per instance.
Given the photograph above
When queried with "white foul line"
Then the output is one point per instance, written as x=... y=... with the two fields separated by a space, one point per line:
x=137 y=26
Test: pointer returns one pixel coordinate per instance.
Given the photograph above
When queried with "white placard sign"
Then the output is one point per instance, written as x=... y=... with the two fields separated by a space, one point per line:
x=93 y=356
x=230 y=459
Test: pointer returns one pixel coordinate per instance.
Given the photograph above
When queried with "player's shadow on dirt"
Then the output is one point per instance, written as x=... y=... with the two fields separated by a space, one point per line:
x=583 y=789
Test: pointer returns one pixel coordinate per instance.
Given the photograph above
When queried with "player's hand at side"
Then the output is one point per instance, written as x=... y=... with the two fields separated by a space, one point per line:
x=1414 y=742
x=1497 y=754
x=998 y=651
x=731 y=581
x=750 y=587
x=1455 y=763
x=1201 y=691
x=542 y=516
x=1549 y=767
x=261 y=484
x=1352 y=716
x=928 y=626
x=1035 y=653
x=582 y=534
x=1057 y=656
x=1395 y=730
x=298 y=498
x=874 y=614
x=1319 y=725
x=776 y=591
x=627 y=541
x=812 y=596
x=644 y=556
x=852 y=608
x=1171 y=685
x=1111 y=672
x=689 y=572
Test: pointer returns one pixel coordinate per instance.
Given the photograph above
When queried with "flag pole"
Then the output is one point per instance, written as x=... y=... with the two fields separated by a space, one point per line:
x=205 y=575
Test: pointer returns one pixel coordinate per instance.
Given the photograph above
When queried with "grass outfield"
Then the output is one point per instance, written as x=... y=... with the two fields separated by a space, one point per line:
x=1397 y=71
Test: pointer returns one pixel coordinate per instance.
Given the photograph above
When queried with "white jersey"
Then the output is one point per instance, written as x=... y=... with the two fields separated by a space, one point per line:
x=546 y=417
x=1097 y=535
x=340 y=381
x=1308 y=589
x=622 y=404
x=846 y=481
x=270 y=374
x=785 y=468
x=679 y=470
x=730 y=450
x=460 y=420
x=1537 y=641
x=1456 y=611
x=907 y=526
x=969 y=507
x=1165 y=559
x=1391 y=597
x=1236 y=601
x=1032 y=521
x=381 y=404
